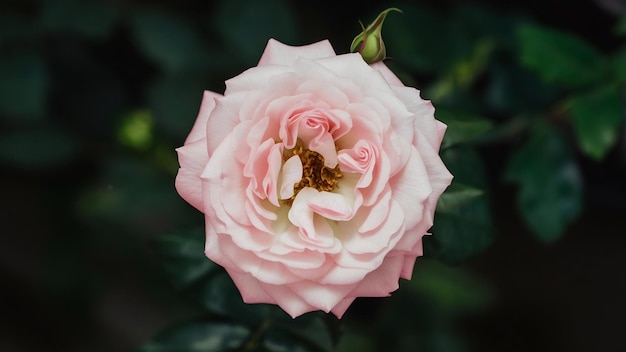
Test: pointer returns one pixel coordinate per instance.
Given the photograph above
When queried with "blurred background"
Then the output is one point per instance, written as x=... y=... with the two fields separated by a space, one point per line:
x=99 y=253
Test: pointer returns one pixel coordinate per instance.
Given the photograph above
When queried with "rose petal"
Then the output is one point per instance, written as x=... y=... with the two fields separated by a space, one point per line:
x=198 y=131
x=290 y=175
x=314 y=230
x=340 y=308
x=193 y=158
x=305 y=260
x=248 y=262
x=277 y=53
x=288 y=300
x=322 y=297
x=438 y=175
x=423 y=112
x=331 y=206
x=269 y=182
x=254 y=78
x=411 y=188
x=409 y=260
x=339 y=275
x=222 y=122
x=376 y=214
x=250 y=288
x=378 y=239
x=382 y=281
x=389 y=76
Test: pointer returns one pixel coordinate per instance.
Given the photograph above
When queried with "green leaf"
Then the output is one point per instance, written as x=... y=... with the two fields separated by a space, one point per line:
x=219 y=295
x=494 y=25
x=423 y=314
x=201 y=336
x=351 y=341
x=175 y=101
x=463 y=72
x=463 y=225
x=306 y=333
x=94 y=19
x=169 y=41
x=560 y=58
x=453 y=290
x=182 y=255
x=37 y=148
x=457 y=195
x=15 y=27
x=621 y=26
x=270 y=328
x=550 y=195
x=462 y=128
x=246 y=26
x=598 y=117
x=130 y=194
x=209 y=285
x=513 y=89
x=619 y=67
x=23 y=87
x=423 y=53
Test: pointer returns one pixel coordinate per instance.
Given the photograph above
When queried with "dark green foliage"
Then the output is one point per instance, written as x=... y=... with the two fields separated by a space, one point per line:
x=560 y=58
x=96 y=95
x=37 y=148
x=94 y=19
x=228 y=324
x=462 y=128
x=463 y=225
x=550 y=195
x=597 y=117
x=169 y=41
x=199 y=337
x=23 y=87
x=245 y=27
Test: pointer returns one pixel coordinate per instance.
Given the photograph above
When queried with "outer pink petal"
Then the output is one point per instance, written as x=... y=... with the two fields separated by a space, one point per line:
x=411 y=187
x=423 y=115
x=288 y=300
x=409 y=260
x=338 y=275
x=256 y=78
x=277 y=53
x=439 y=176
x=323 y=297
x=382 y=281
x=198 y=131
x=389 y=76
x=222 y=120
x=193 y=158
x=233 y=257
x=342 y=306
x=441 y=131
x=250 y=288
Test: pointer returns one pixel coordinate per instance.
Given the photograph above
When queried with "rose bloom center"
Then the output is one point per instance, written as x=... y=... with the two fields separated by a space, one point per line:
x=314 y=173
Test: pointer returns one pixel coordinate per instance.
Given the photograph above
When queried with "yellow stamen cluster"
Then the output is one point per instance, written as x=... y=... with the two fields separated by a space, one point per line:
x=314 y=173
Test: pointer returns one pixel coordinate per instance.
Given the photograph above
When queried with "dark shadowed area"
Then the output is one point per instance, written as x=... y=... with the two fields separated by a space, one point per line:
x=99 y=253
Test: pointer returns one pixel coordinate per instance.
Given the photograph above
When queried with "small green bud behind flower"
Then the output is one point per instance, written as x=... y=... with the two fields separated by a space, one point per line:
x=369 y=43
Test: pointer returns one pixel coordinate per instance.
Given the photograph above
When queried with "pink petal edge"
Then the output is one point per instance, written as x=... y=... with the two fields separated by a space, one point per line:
x=277 y=53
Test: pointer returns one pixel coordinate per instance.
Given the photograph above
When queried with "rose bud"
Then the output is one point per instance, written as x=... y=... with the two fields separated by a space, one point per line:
x=369 y=43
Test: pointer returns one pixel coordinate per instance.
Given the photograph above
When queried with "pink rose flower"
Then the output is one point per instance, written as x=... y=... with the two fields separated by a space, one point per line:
x=317 y=174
